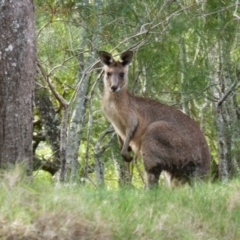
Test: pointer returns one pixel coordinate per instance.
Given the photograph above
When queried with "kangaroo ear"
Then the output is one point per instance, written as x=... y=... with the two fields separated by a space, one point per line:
x=126 y=58
x=105 y=57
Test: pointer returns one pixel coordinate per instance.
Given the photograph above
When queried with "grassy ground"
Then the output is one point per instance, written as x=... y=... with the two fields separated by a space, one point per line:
x=40 y=210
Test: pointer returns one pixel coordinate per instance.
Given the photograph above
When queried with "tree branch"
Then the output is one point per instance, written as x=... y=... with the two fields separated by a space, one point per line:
x=63 y=134
x=100 y=150
x=225 y=96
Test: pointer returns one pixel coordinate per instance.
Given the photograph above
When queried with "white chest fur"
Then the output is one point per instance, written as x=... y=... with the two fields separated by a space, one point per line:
x=115 y=117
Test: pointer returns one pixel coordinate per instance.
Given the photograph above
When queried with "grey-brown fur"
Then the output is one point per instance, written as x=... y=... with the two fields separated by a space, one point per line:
x=166 y=138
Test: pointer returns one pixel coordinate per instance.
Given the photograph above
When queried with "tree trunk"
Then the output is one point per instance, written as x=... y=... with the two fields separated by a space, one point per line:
x=184 y=78
x=227 y=119
x=223 y=145
x=75 y=128
x=99 y=170
x=98 y=151
x=17 y=72
x=122 y=169
x=77 y=117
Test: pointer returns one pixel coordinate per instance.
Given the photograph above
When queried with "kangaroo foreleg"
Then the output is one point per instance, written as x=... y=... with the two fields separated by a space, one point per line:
x=124 y=152
x=120 y=142
x=129 y=134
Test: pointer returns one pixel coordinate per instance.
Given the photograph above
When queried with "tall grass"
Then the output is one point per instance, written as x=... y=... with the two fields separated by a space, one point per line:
x=40 y=210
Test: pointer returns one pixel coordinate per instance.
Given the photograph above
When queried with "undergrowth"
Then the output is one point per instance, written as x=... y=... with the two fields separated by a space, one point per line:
x=40 y=210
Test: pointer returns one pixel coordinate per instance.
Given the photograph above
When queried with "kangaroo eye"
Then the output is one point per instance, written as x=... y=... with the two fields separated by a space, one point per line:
x=121 y=75
x=109 y=74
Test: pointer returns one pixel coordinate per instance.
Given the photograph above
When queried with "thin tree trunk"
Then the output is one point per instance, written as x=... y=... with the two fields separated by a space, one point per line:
x=75 y=128
x=223 y=146
x=184 y=77
x=63 y=142
x=98 y=152
x=77 y=118
x=63 y=132
x=122 y=170
x=226 y=112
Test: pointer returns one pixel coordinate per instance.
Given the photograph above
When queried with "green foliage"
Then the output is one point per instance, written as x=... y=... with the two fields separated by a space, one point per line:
x=42 y=176
x=38 y=210
x=175 y=45
x=44 y=151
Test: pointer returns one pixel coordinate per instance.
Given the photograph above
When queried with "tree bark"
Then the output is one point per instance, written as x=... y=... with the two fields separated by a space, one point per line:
x=17 y=72
x=122 y=169
x=184 y=78
x=98 y=152
x=227 y=120
x=75 y=129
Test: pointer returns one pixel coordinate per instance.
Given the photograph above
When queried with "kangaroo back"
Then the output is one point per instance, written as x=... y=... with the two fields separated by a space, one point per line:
x=167 y=139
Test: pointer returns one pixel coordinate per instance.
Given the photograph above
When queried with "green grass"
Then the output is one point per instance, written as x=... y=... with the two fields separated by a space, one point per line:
x=40 y=210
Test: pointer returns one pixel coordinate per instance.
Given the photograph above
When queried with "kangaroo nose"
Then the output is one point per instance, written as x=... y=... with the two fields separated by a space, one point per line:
x=114 y=88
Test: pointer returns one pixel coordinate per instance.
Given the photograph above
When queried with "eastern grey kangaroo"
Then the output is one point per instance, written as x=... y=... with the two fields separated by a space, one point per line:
x=167 y=139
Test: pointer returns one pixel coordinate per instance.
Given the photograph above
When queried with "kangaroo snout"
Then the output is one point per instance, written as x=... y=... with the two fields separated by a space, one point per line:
x=114 y=88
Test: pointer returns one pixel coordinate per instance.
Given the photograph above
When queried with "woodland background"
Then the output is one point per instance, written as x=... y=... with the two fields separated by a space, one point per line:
x=186 y=54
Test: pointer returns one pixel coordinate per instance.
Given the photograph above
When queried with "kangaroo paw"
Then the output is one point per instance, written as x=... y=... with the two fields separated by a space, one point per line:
x=126 y=156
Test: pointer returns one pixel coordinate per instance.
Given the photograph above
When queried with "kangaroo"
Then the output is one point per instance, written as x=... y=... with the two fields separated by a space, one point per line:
x=166 y=138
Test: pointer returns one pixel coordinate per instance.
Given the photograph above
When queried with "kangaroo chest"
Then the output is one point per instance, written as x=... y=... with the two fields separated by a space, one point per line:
x=116 y=116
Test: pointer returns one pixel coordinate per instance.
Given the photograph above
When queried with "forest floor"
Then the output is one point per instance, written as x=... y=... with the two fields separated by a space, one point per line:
x=43 y=210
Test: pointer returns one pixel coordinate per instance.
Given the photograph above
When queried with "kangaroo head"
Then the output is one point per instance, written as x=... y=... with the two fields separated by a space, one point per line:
x=115 y=72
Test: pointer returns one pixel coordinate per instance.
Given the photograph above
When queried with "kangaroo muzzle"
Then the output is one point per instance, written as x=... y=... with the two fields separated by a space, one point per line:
x=114 y=88
x=114 y=84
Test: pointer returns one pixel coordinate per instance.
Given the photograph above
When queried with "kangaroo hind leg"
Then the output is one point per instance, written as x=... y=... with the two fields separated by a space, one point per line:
x=163 y=148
